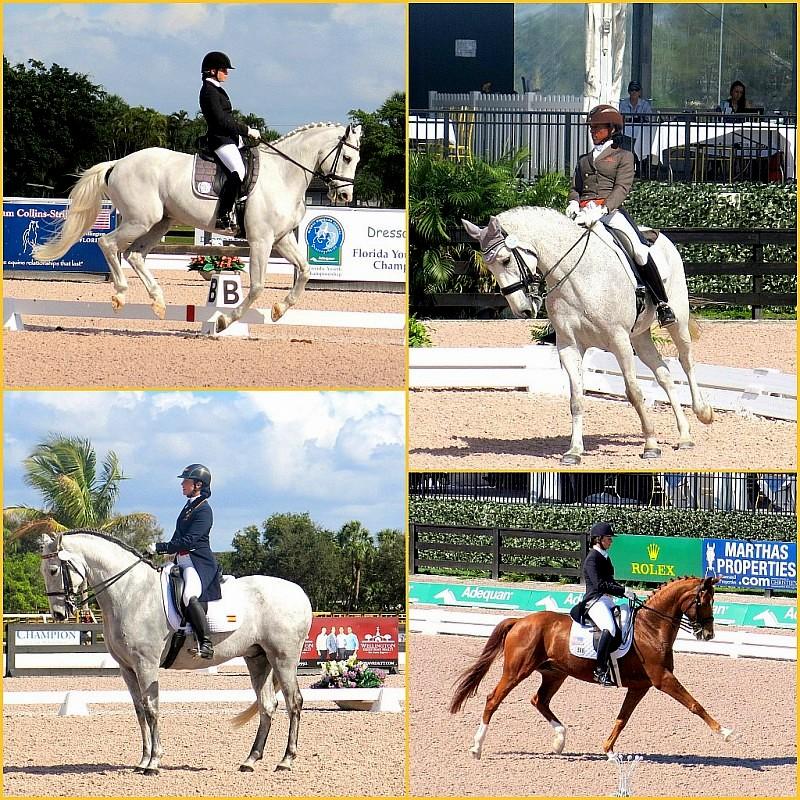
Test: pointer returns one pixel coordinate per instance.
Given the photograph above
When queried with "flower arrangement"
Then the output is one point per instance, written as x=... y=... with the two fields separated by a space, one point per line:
x=350 y=674
x=206 y=265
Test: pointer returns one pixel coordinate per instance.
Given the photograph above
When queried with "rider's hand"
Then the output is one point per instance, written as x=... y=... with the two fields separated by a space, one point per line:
x=151 y=548
x=573 y=209
x=592 y=212
x=630 y=594
x=254 y=133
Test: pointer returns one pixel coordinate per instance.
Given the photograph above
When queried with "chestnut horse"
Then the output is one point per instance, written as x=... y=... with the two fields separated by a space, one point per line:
x=540 y=642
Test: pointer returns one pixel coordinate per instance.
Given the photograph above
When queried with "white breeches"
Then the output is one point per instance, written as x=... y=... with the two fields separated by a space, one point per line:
x=192 y=585
x=230 y=156
x=600 y=614
x=618 y=221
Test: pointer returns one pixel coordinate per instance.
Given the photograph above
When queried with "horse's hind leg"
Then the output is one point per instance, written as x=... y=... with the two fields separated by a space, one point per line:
x=646 y=350
x=261 y=679
x=290 y=250
x=551 y=683
x=132 y=682
x=286 y=675
x=632 y=699
x=136 y=254
x=683 y=342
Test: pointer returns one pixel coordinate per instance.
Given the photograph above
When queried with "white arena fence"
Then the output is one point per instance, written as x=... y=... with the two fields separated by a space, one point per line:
x=536 y=368
x=76 y=703
x=15 y=310
x=735 y=644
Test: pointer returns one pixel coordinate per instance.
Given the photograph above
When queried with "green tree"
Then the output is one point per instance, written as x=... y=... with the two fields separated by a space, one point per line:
x=380 y=178
x=64 y=470
x=357 y=548
x=385 y=584
x=23 y=586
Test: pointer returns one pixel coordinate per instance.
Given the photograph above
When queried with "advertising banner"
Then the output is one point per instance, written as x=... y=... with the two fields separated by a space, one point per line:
x=751 y=565
x=44 y=635
x=376 y=640
x=354 y=244
x=655 y=558
x=28 y=222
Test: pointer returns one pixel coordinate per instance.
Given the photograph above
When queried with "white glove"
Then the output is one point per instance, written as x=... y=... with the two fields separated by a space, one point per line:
x=630 y=594
x=151 y=548
x=592 y=212
x=573 y=209
x=254 y=133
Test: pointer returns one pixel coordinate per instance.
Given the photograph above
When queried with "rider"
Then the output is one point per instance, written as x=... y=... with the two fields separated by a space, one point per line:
x=598 y=575
x=224 y=133
x=190 y=543
x=602 y=180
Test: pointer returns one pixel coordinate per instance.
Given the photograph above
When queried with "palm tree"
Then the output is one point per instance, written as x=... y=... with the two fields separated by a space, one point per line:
x=357 y=545
x=64 y=470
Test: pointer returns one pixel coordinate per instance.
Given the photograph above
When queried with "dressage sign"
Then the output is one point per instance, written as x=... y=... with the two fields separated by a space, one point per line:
x=29 y=222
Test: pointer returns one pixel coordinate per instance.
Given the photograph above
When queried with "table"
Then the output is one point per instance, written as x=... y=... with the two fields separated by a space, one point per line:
x=431 y=130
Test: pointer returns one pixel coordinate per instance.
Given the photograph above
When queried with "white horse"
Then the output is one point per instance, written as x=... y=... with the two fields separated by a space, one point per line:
x=276 y=621
x=591 y=302
x=152 y=191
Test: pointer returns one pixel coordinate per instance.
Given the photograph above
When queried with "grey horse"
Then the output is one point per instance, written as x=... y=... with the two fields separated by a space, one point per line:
x=591 y=302
x=276 y=620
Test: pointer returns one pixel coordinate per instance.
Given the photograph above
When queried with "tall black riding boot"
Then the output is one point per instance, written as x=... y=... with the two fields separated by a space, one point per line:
x=227 y=197
x=652 y=279
x=601 y=669
x=196 y=615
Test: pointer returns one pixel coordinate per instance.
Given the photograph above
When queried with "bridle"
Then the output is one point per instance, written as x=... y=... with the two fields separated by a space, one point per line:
x=326 y=177
x=74 y=596
x=684 y=622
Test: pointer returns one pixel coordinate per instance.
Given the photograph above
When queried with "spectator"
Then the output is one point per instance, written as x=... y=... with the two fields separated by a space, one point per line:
x=332 y=644
x=634 y=105
x=352 y=642
x=341 y=644
x=486 y=87
x=737 y=99
x=322 y=645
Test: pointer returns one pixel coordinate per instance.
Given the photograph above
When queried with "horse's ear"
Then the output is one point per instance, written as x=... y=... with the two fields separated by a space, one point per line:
x=473 y=230
x=493 y=227
x=711 y=581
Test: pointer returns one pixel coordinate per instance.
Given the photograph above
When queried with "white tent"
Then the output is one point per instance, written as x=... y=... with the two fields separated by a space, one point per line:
x=605 y=51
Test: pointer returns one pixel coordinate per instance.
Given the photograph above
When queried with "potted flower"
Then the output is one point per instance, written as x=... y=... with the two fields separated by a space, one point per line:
x=208 y=265
x=350 y=674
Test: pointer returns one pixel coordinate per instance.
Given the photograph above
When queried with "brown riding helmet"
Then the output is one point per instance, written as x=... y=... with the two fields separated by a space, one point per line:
x=605 y=115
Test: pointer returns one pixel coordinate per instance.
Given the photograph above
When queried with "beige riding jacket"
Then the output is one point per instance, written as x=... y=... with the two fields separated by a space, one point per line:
x=609 y=177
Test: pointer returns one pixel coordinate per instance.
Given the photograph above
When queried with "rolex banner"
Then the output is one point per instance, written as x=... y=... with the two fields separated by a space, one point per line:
x=655 y=558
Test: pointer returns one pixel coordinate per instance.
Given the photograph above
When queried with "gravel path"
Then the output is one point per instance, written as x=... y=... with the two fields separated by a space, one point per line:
x=506 y=429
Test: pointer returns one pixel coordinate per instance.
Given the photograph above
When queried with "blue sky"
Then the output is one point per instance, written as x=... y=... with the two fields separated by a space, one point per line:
x=295 y=63
x=337 y=455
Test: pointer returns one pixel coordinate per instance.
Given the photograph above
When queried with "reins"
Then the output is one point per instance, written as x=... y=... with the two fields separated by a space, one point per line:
x=683 y=622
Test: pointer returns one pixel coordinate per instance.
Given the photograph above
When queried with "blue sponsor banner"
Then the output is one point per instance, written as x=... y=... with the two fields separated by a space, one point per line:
x=28 y=222
x=752 y=565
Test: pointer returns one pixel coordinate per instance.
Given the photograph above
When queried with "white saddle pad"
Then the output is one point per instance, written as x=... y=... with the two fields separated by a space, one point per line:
x=581 y=641
x=223 y=615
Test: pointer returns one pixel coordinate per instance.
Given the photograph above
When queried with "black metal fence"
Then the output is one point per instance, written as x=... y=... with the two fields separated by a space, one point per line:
x=753 y=492
x=496 y=551
x=689 y=146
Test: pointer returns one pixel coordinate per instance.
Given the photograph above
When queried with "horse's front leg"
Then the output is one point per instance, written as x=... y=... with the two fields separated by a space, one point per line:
x=132 y=682
x=259 y=259
x=623 y=352
x=572 y=361
x=290 y=250
x=148 y=683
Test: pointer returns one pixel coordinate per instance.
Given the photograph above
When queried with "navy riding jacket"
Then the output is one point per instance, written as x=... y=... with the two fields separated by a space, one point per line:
x=598 y=574
x=192 y=532
x=217 y=110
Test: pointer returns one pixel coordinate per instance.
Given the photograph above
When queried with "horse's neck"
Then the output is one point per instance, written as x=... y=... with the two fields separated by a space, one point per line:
x=667 y=603
x=306 y=146
x=104 y=559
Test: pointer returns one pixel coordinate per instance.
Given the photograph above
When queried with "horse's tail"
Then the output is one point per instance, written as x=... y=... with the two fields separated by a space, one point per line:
x=245 y=716
x=469 y=680
x=86 y=199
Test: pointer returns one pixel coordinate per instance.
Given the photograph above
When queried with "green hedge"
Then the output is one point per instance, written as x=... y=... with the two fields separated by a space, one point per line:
x=644 y=521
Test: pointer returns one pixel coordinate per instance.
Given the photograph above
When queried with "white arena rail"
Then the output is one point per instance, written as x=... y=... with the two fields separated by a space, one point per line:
x=536 y=368
x=736 y=644
x=75 y=703
x=14 y=310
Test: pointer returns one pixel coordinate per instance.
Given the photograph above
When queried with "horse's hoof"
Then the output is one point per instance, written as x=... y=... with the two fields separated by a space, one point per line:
x=160 y=310
x=116 y=304
x=246 y=768
x=684 y=445
x=706 y=415
x=138 y=770
x=570 y=459
x=278 y=310
x=653 y=452
x=728 y=734
x=150 y=771
x=283 y=767
x=476 y=754
x=222 y=323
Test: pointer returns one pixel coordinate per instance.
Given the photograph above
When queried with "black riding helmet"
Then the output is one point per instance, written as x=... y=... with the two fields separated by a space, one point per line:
x=598 y=531
x=199 y=473
x=216 y=60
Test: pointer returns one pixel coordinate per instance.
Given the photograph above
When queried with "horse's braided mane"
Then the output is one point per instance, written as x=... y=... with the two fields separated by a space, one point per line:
x=669 y=583
x=309 y=126
x=109 y=538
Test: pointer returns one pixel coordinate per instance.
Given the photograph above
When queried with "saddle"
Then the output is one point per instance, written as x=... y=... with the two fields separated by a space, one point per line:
x=208 y=174
x=585 y=635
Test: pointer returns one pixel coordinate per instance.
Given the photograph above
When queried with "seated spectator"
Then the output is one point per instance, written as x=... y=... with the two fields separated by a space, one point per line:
x=634 y=105
x=737 y=100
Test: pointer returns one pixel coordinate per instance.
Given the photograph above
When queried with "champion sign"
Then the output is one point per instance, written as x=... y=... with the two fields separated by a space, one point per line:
x=752 y=565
